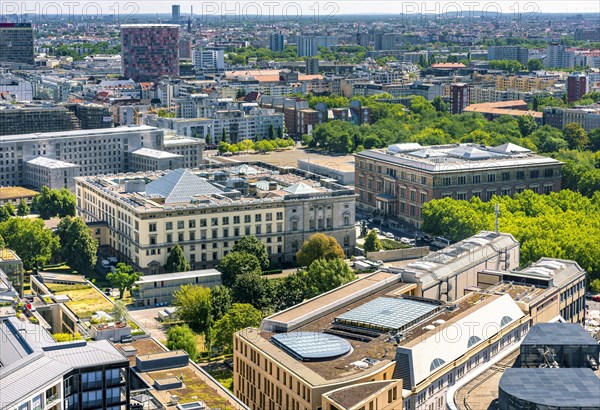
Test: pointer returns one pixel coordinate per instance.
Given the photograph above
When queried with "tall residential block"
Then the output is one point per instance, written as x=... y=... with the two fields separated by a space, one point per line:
x=312 y=66
x=577 y=86
x=175 y=12
x=520 y=54
x=460 y=97
x=16 y=43
x=150 y=51
x=276 y=42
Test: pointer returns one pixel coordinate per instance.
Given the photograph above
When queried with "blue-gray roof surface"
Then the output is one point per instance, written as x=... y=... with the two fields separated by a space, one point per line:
x=558 y=334
x=311 y=346
x=570 y=388
x=387 y=313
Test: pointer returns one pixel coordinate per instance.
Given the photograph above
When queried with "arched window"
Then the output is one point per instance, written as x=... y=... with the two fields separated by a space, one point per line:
x=437 y=362
x=505 y=321
x=473 y=340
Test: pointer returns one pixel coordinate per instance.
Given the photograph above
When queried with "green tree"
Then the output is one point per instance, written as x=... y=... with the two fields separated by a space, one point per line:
x=323 y=275
x=252 y=288
x=319 y=246
x=23 y=208
x=194 y=306
x=221 y=301
x=452 y=219
x=594 y=139
x=254 y=246
x=78 y=246
x=4 y=215
x=31 y=240
x=290 y=291
x=52 y=202
x=10 y=209
x=182 y=338
x=575 y=136
x=240 y=316
x=120 y=312
x=237 y=263
x=372 y=243
x=176 y=261
x=271 y=133
x=208 y=139
x=279 y=132
x=595 y=285
x=589 y=183
x=224 y=136
x=439 y=104
x=123 y=278
x=527 y=124
x=535 y=64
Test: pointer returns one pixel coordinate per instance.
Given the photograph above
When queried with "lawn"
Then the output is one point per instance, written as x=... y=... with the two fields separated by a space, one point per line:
x=85 y=300
x=194 y=388
x=222 y=373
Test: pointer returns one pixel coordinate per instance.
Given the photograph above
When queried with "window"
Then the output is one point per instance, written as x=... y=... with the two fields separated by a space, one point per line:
x=169 y=238
x=489 y=194
x=247 y=219
x=505 y=320
x=534 y=174
x=535 y=189
x=520 y=175
x=437 y=362
x=279 y=216
x=462 y=180
x=225 y=220
x=269 y=216
x=346 y=220
x=180 y=224
x=191 y=223
x=506 y=176
x=547 y=189
x=491 y=178
x=548 y=173
x=476 y=179
x=476 y=194
x=152 y=227
x=294 y=224
x=236 y=219
x=473 y=340
x=462 y=196
x=505 y=191
x=169 y=226
x=203 y=222
x=446 y=181
x=413 y=196
x=258 y=218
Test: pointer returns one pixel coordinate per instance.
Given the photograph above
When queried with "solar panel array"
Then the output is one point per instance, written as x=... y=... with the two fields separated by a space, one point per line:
x=311 y=346
x=388 y=314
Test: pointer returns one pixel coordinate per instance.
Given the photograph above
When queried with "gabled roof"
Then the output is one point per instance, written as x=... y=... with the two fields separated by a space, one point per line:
x=300 y=188
x=180 y=186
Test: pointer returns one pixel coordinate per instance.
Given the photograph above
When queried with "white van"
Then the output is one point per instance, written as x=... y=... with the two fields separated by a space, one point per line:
x=440 y=242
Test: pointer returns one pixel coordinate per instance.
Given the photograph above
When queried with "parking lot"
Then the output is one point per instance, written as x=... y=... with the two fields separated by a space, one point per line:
x=147 y=318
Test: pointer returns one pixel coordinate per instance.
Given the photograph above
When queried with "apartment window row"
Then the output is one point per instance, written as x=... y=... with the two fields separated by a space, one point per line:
x=491 y=178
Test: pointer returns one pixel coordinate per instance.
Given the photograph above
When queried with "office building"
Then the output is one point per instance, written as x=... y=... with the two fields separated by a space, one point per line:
x=520 y=54
x=16 y=43
x=276 y=42
x=207 y=210
x=53 y=173
x=185 y=48
x=460 y=97
x=150 y=51
x=209 y=60
x=557 y=56
x=176 y=12
x=190 y=149
x=370 y=343
x=493 y=110
x=101 y=151
x=587 y=118
x=147 y=159
x=587 y=34
x=39 y=373
x=397 y=181
x=312 y=66
x=309 y=45
x=578 y=85
x=155 y=290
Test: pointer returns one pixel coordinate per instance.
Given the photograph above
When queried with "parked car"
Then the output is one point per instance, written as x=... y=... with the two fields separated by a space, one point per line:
x=440 y=242
x=596 y=298
x=389 y=235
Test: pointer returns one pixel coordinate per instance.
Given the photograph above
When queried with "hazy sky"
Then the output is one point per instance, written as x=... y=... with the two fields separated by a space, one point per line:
x=307 y=7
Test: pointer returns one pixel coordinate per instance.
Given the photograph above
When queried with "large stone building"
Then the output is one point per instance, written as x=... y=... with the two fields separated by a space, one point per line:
x=397 y=181
x=155 y=290
x=100 y=151
x=207 y=210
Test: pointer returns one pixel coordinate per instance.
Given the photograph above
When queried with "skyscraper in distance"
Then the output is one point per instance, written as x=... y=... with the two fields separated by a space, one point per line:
x=175 y=12
x=276 y=42
x=150 y=51
x=16 y=43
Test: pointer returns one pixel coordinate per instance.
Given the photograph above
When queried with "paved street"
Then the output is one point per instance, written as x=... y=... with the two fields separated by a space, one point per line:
x=147 y=318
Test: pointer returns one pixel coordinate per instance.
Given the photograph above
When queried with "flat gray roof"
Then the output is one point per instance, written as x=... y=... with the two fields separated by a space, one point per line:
x=178 y=275
x=558 y=334
x=553 y=388
x=76 y=133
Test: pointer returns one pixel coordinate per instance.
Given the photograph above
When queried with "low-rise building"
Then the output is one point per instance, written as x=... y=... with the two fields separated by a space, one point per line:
x=155 y=290
x=397 y=181
x=14 y=194
x=147 y=159
x=208 y=209
x=12 y=266
x=53 y=173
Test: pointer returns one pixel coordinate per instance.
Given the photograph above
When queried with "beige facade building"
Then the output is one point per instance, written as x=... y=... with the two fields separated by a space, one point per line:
x=207 y=210
x=397 y=181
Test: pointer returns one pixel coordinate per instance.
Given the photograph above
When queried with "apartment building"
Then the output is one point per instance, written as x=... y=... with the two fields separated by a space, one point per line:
x=523 y=83
x=147 y=159
x=208 y=60
x=39 y=373
x=370 y=343
x=558 y=56
x=101 y=151
x=53 y=173
x=208 y=209
x=155 y=290
x=397 y=181
x=587 y=118
x=190 y=149
x=520 y=54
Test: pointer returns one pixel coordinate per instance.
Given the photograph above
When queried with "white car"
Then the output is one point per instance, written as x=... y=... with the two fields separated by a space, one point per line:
x=389 y=235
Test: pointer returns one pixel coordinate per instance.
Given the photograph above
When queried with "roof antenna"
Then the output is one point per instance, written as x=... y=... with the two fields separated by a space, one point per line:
x=497 y=211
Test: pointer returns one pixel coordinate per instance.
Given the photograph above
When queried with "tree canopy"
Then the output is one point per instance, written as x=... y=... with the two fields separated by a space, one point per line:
x=240 y=316
x=323 y=275
x=182 y=338
x=176 y=261
x=372 y=242
x=52 y=202
x=237 y=263
x=221 y=301
x=31 y=240
x=319 y=246
x=194 y=306
x=123 y=278
x=254 y=246
x=77 y=244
